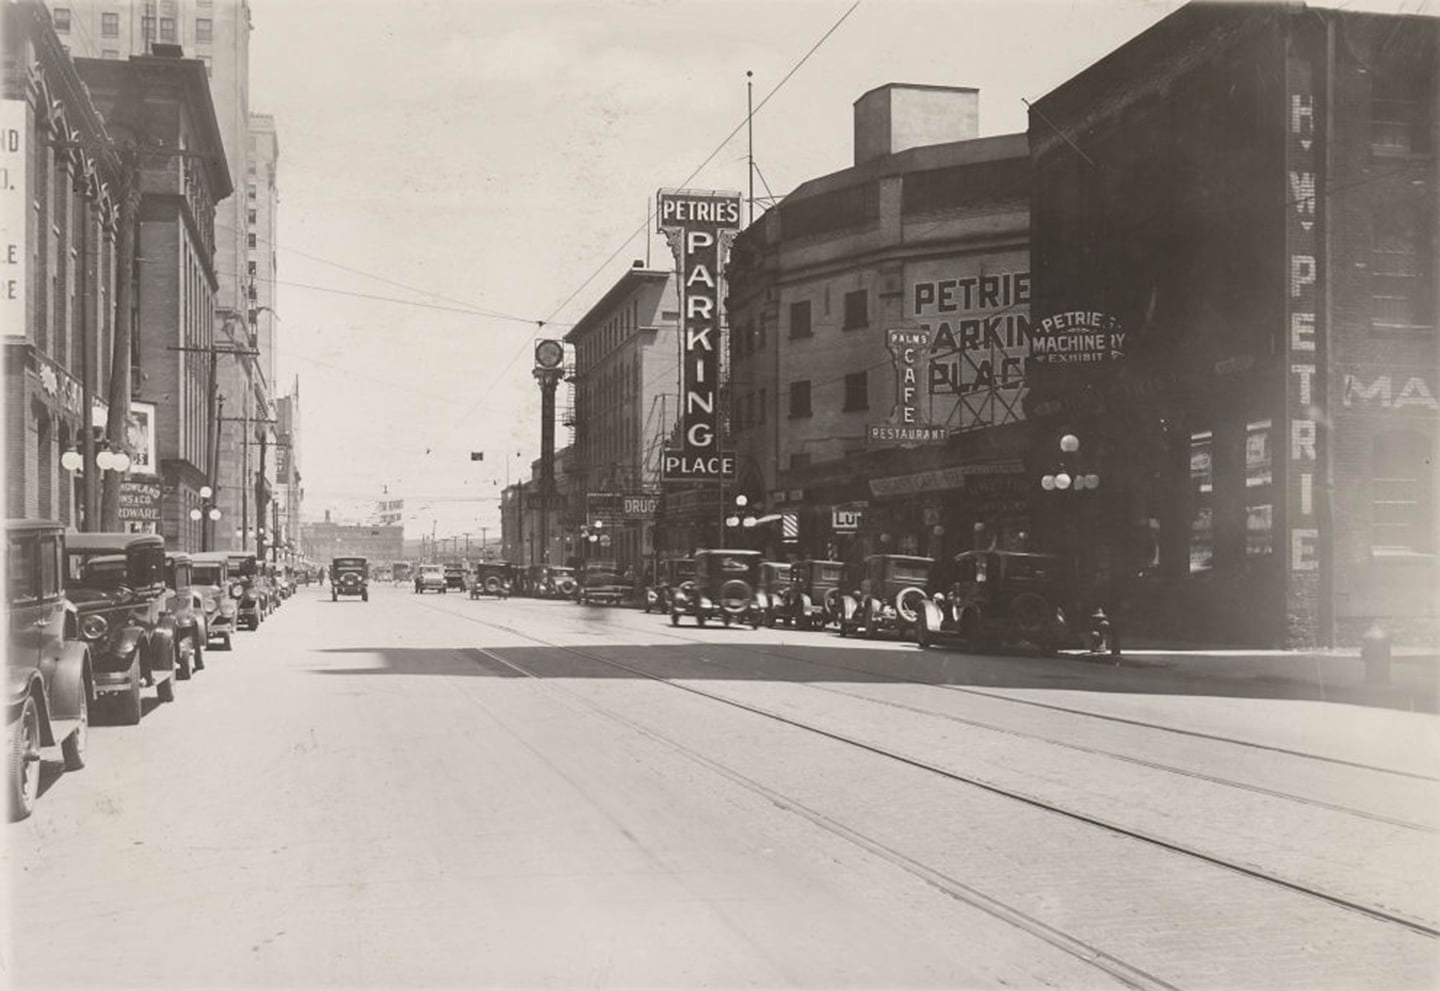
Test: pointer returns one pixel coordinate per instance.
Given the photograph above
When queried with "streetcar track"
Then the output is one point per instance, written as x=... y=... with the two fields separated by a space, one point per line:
x=1340 y=901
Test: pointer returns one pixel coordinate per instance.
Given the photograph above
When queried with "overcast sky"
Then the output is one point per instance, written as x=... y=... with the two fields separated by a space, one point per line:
x=453 y=171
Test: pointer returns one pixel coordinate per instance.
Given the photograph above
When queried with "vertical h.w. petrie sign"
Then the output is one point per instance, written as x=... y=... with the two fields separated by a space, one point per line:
x=699 y=225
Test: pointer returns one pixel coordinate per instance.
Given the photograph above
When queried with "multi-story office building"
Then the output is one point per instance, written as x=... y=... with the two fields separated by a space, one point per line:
x=1246 y=193
x=625 y=385
x=321 y=541
x=174 y=337
x=60 y=225
x=879 y=321
x=286 y=512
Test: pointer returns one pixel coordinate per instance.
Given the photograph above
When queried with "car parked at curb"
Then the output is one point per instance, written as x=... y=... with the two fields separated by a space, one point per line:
x=117 y=584
x=48 y=677
x=492 y=578
x=812 y=600
x=894 y=587
x=454 y=576
x=771 y=589
x=674 y=576
x=186 y=609
x=210 y=575
x=247 y=590
x=1001 y=598
x=601 y=583
x=724 y=588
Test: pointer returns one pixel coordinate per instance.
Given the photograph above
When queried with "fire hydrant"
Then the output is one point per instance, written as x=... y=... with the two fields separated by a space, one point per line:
x=1375 y=652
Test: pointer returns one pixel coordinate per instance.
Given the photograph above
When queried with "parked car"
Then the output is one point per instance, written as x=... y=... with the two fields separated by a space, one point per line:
x=770 y=590
x=550 y=581
x=892 y=592
x=247 y=590
x=186 y=608
x=430 y=578
x=349 y=576
x=724 y=588
x=402 y=571
x=674 y=576
x=813 y=599
x=117 y=583
x=48 y=675
x=455 y=576
x=492 y=578
x=602 y=582
x=1002 y=597
x=209 y=571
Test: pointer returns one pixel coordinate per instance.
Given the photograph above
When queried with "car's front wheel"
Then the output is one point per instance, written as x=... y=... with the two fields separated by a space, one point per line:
x=165 y=690
x=127 y=705
x=24 y=769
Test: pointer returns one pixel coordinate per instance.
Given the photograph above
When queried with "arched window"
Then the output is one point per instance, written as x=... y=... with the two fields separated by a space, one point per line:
x=1402 y=493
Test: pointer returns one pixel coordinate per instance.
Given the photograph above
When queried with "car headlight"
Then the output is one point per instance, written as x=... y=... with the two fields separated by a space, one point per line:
x=93 y=627
x=237 y=590
x=227 y=608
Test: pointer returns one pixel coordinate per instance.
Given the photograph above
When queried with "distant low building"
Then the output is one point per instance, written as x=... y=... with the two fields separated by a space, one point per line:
x=382 y=544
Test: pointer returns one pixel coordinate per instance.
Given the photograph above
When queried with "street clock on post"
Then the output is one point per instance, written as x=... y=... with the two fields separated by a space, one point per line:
x=549 y=355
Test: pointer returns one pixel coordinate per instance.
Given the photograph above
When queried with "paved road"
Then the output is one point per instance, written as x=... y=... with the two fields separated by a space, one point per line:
x=424 y=791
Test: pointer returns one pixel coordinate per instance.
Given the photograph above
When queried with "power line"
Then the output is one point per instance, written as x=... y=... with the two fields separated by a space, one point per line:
x=710 y=157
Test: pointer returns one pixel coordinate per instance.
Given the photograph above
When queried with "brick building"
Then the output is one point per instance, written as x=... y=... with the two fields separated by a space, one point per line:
x=1248 y=194
x=163 y=101
x=321 y=541
x=876 y=444
x=60 y=230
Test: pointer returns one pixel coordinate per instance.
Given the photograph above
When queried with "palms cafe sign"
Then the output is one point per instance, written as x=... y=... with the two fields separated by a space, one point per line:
x=699 y=225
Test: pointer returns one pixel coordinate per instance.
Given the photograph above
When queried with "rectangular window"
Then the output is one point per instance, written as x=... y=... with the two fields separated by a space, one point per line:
x=167 y=29
x=1202 y=515
x=799 y=398
x=250 y=216
x=110 y=53
x=61 y=18
x=857 y=391
x=250 y=267
x=1401 y=489
x=801 y=460
x=203 y=30
x=857 y=309
x=1397 y=259
x=147 y=27
x=800 y=319
x=109 y=25
x=250 y=240
x=1399 y=89
x=1259 y=511
x=250 y=191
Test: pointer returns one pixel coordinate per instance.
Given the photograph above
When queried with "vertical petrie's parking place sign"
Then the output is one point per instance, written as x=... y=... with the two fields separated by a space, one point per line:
x=699 y=225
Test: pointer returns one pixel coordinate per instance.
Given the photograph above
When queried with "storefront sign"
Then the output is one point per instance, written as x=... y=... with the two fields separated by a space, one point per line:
x=14 y=156
x=939 y=479
x=1077 y=337
x=977 y=313
x=699 y=225
x=620 y=507
x=139 y=501
x=908 y=348
x=845 y=520
x=1303 y=355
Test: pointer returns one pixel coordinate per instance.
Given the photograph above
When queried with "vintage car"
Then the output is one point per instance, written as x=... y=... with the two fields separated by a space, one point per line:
x=724 y=588
x=894 y=587
x=493 y=578
x=550 y=581
x=430 y=578
x=1001 y=597
x=47 y=669
x=349 y=576
x=250 y=593
x=675 y=576
x=209 y=573
x=812 y=600
x=186 y=607
x=455 y=576
x=771 y=588
x=402 y=571
x=601 y=582
x=117 y=583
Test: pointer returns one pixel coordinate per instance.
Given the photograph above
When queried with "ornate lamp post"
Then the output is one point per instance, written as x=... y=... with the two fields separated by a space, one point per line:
x=207 y=513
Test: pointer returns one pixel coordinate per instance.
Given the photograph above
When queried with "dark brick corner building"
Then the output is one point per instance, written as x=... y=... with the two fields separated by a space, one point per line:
x=1248 y=194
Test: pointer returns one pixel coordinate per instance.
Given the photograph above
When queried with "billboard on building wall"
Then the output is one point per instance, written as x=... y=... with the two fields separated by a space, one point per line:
x=14 y=279
x=976 y=314
x=140 y=438
x=699 y=225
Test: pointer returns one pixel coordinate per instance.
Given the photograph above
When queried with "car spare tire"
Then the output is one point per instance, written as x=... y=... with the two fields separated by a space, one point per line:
x=907 y=603
x=735 y=596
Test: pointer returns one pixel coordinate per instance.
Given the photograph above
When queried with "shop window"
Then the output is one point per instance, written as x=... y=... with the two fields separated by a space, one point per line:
x=1397 y=259
x=857 y=309
x=203 y=30
x=857 y=391
x=799 y=398
x=1401 y=493
x=1259 y=510
x=109 y=25
x=800 y=319
x=1202 y=512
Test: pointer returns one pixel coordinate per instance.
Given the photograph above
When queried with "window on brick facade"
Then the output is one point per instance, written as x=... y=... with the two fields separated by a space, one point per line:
x=1401 y=493
x=250 y=267
x=1202 y=511
x=1399 y=97
x=204 y=29
x=799 y=398
x=109 y=25
x=857 y=391
x=147 y=27
x=167 y=29
x=61 y=17
x=110 y=53
x=800 y=319
x=250 y=215
x=857 y=309
x=1399 y=257
x=800 y=460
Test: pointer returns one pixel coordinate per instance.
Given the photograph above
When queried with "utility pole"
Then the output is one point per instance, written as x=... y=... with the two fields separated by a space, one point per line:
x=121 y=345
x=260 y=497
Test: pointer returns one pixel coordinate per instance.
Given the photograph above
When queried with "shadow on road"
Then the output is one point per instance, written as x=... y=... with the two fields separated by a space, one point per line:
x=1330 y=679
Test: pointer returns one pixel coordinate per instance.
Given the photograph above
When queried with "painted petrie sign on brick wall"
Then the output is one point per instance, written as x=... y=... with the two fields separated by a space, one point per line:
x=699 y=225
x=1304 y=401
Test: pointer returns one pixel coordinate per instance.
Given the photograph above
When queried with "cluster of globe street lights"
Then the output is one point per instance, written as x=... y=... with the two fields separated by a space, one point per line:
x=1062 y=479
